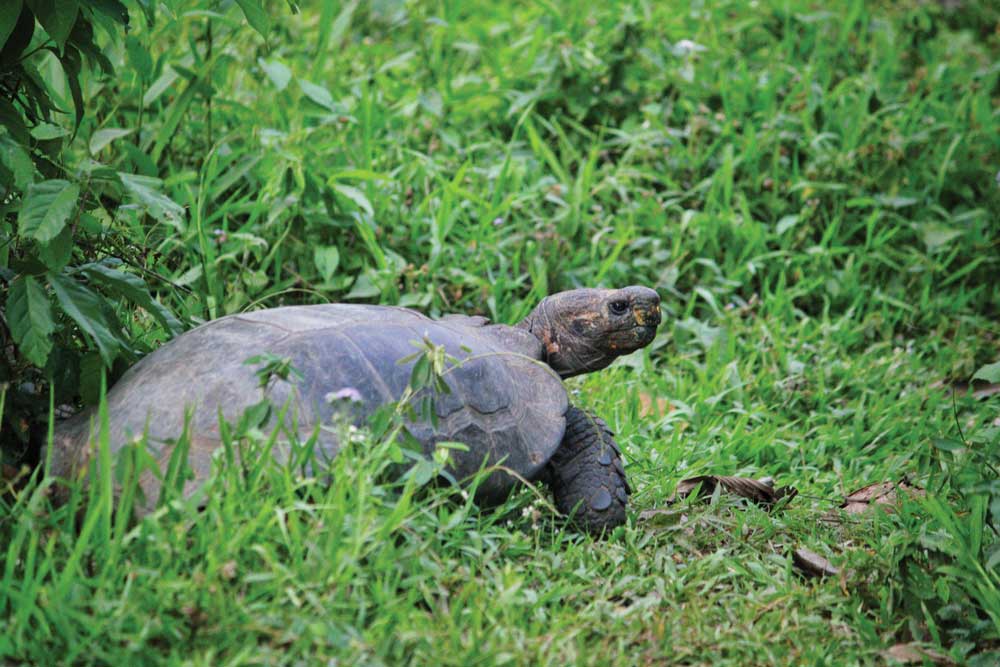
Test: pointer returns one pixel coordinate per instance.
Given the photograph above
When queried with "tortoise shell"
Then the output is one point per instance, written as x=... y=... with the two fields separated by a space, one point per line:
x=504 y=403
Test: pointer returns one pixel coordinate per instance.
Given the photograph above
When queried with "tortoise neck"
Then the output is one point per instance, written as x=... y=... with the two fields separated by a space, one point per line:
x=536 y=322
x=540 y=326
x=527 y=324
x=563 y=351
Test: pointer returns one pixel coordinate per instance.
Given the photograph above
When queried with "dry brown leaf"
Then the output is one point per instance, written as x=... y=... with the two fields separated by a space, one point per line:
x=228 y=570
x=812 y=564
x=978 y=389
x=914 y=654
x=986 y=390
x=883 y=494
x=655 y=406
x=759 y=491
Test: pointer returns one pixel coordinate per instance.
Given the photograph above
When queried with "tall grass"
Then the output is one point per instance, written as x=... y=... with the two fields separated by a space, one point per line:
x=813 y=192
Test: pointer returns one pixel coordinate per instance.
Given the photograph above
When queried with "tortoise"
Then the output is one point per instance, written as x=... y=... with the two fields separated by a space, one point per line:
x=507 y=401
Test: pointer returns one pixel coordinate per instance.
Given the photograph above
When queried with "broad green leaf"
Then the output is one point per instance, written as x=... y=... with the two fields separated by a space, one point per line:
x=363 y=288
x=46 y=131
x=90 y=378
x=948 y=445
x=355 y=196
x=141 y=162
x=29 y=316
x=189 y=276
x=101 y=138
x=422 y=472
x=277 y=72
x=56 y=253
x=134 y=289
x=936 y=236
x=113 y=9
x=255 y=280
x=256 y=16
x=327 y=259
x=988 y=373
x=17 y=160
x=9 y=11
x=84 y=306
x=46 y=209
x=139 y=57
x=82 y=40
x=146 y=190
x=13 y=122
x=318 y=94
x=72 y=63
x=56 y=16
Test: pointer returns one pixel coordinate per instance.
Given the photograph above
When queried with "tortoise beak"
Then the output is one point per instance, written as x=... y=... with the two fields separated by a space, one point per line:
x=645 y=306
x=647 y=317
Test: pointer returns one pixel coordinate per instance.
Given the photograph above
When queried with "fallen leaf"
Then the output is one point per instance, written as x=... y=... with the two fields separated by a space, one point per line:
x=655 y=406
x=977 y=388
x=883 y=494
x=914 y=654
x=985 y=391
x=760 y=491
x=228 y=570
x=812 y=564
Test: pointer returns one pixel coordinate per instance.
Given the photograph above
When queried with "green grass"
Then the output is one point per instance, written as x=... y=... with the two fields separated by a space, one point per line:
x=813 y=192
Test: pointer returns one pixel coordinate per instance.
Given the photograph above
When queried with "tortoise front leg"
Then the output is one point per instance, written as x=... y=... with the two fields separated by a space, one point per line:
x=586 y=474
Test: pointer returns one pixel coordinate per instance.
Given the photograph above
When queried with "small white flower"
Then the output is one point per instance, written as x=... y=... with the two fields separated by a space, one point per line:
x=346 y=394
x=686 y=47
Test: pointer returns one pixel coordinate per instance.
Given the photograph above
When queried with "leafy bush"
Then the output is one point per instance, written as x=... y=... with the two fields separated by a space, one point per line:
x=72 y=241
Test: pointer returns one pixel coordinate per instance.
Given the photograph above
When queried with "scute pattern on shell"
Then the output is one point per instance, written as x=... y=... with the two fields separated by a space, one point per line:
x=505 y=406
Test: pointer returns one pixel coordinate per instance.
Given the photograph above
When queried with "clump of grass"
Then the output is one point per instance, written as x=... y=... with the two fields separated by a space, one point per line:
x=813 y=193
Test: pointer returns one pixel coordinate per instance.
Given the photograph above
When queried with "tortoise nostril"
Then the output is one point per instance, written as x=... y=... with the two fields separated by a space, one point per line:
x=644 y=295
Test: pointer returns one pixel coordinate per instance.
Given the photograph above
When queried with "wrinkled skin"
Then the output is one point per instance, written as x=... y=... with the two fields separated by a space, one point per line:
x=586 y=329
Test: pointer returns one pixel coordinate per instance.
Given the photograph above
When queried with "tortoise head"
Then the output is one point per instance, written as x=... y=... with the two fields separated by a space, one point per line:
x=584 y=330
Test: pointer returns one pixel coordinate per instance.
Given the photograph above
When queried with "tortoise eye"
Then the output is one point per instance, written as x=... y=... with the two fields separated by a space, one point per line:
x=619 y=307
